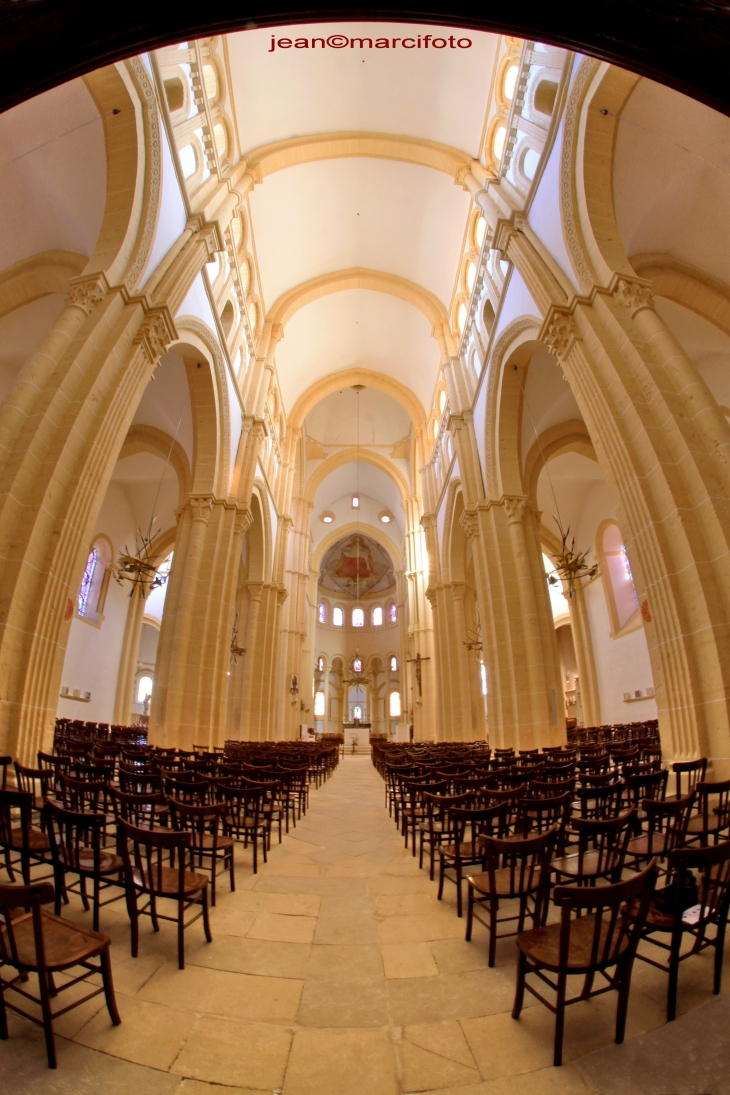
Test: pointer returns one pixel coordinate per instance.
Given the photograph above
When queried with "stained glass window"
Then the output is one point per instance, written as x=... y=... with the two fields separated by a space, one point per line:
x=393 y=664
x=86 y=581
x=357 y=665
x=392 y=613
x=338 y=617
x=322 y=613
x=144 y=689
x=358 y=617
x=377 y=616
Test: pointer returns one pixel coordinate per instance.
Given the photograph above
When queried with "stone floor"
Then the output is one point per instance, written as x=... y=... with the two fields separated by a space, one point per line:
x=335 y=969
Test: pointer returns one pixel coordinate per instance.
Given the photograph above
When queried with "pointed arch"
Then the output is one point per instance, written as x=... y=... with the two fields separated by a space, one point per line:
x=410 y=402
x=349 y=456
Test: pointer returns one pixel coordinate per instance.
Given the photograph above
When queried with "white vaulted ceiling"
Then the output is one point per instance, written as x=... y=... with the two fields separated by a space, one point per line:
x=331 y=215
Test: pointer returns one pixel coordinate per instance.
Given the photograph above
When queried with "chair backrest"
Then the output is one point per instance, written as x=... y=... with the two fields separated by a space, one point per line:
x=598 y=779
x=138 y=810
x=537 y=815
x=602 y=844
x=71 y=833
x=668 y=822
x=557 y=772
x=647 y=785
x=243 y=805
x=15 y=897
x=193 y=792
x=28 y=778
x=694 y=770
x=713 y=866
x=715 y=804
x=438 y=807
x=16 y=812
x=5 y=763
x=85 y=796
x=142 y=851
x=470 y=824
x=138 y=782
x=94 y=773
x=545 y=789
x=201 y=822
x=600 y=802
x=526 y=860
x=615 y=931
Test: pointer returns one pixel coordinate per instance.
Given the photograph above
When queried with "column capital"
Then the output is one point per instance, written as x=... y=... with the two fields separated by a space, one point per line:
x=514 y=508
x=202 y=507
x=633 y=295
x=155 y=333
x=559 y=332
x=85 y=292
x=469 y=521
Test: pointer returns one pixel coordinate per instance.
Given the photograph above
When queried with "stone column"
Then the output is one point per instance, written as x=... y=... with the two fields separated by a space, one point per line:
x=128 y=660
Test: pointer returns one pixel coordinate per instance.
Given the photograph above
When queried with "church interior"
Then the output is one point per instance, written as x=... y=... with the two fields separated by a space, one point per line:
x=343 y=647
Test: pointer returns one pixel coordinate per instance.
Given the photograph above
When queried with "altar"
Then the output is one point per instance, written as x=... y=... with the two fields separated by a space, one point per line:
x=357 y=735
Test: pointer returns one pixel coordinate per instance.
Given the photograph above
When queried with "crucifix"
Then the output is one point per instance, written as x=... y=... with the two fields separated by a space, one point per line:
x=417 y=661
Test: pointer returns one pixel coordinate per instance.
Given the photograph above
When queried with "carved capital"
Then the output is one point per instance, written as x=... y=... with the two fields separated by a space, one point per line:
x=514 y=508
x=201 y=507
x=458 y=590
x=470 y=523
x=559 y=332
x=243 y=522
x=503 y=233
x=210 y=234
x=86 y=292
x=156 y=332
x=281 y=595
x=431 y=596
x=633 y=296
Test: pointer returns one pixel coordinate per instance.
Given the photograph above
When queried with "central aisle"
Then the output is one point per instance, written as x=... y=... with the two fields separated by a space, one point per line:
x=334 y=970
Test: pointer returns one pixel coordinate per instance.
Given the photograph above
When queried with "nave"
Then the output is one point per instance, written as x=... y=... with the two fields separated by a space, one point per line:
x=336 y=970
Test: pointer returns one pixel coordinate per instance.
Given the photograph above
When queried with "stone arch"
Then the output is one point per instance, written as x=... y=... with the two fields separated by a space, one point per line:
x=38 y=276
x=454 y=507
x=507 y=371
x=259 y=536
x=125 y=98
x=569 y=436
x=208 y=404
x=351 y=455
x=143 y=438
x=347 y=377
x=701 y=293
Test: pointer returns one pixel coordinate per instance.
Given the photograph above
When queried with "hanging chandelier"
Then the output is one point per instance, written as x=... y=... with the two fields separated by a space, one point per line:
x=358 y=678
x=140 y=568
x=570 y=565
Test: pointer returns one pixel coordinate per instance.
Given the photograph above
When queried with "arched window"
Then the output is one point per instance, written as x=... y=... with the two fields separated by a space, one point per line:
x=319 y=705
x=393 y=664
x=92 y=591
x=338 y=617
x=320 y=664
x=483 y=676
x=618 y=581
x=322 y=613
x=144 y=689
x=395 y=705
x=377 y=616
x=357 y=711
x=558 y=602
x=392 y=614
x=358 y=617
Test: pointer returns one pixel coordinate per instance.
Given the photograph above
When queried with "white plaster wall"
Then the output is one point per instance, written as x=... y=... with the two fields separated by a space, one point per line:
x=622 y=665
x=545 y=218
x=517 y=302
x=93 y=653
x=172 y=214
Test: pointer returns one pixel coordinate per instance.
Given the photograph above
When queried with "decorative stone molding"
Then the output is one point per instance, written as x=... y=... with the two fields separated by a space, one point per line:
x=514 y=508
x=469 y=521
x=153 y=170
x=208 y=232
x=633 y=296
x=87 y=292
x=243 y=522
x=203 y=331
x=494 y=371
x=156 y=332
x=568 y=205
x=202 y=507
x=559 y=332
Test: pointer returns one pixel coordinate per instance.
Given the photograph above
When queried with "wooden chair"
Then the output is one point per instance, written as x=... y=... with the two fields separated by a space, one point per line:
x=244 y=818
x=600 y=802
x=466 y=850
x=713 y=866
x=77 y=848
x=602 y=844
x=37 y=942
x=206 y=840
x=56 y=765
x=595 y=934
x=713 y=815
x=146 y=877
x=35 y=782
x=666 y=829
x=688 y=774
x=18 y=837
x=5 y=763
x=437 y=826
x=524 y=876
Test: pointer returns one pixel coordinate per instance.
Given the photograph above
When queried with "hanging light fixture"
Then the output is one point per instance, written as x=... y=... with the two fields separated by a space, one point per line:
x=139 y=567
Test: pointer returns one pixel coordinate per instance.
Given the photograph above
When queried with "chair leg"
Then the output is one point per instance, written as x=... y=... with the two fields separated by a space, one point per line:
x=3 y=1015
x=623 y=1004
x=133 y=922
x=231 y=869
x=470 y=913
x=441 y=878
x=520 y=990
x=47 y=1018
x=493 y=908
x=206 y=921
x=719 y=948
x=673 y=975
x=559 y=1021
x=459 y=896
x=181 y=933
x=95 y=921
x=106 y=977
